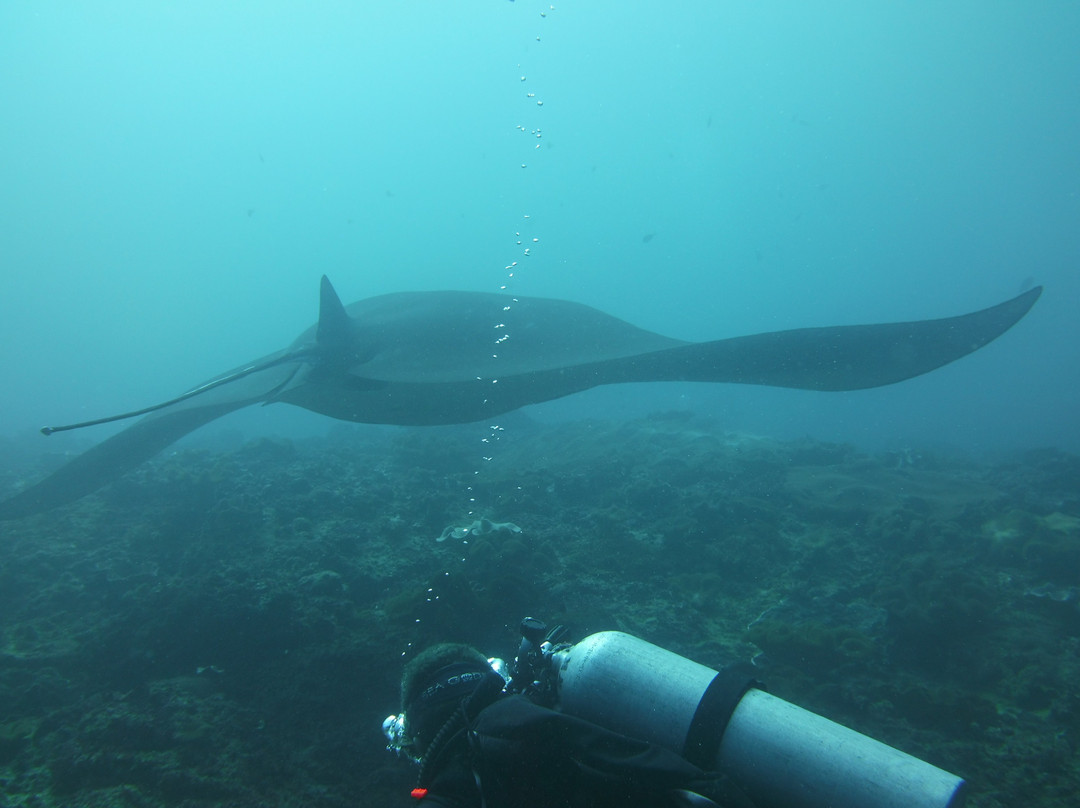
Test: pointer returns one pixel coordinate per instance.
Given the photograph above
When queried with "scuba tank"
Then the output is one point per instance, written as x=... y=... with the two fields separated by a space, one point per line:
x=780 y=755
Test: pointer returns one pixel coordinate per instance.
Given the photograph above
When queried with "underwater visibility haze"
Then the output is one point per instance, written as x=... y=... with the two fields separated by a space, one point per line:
x=559 y=220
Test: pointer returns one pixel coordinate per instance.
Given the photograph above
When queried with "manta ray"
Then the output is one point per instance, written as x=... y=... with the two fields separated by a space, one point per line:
x=416 y=358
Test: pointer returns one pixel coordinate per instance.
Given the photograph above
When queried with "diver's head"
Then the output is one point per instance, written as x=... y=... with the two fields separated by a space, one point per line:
x=436 y=682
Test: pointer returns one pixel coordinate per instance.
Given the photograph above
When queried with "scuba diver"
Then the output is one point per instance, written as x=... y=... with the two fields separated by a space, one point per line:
x=613 y=720
x=479 y=745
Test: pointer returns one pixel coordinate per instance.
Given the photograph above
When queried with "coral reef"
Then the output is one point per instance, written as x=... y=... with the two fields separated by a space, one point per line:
x=228 y=629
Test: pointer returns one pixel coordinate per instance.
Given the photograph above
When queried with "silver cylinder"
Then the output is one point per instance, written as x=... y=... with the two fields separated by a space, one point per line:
x=781 y=755
x=632 y=687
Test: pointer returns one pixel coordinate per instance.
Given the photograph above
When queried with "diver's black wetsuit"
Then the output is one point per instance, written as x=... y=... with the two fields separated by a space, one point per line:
x=516 y=754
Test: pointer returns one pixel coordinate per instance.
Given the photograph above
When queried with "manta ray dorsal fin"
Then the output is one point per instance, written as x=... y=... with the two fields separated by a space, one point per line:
x=334 y=323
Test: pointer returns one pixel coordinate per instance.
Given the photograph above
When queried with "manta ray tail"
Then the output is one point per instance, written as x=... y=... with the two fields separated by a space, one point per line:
x=235 y=375
x=109 y=459
x=166 y=422
x=333 y=329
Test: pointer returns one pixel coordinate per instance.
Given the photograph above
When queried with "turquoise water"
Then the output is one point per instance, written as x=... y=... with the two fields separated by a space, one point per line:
x=227 y=626
x=176 y=177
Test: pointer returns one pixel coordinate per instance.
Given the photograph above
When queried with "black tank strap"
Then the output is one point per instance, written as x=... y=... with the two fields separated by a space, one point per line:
x=714 y=711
